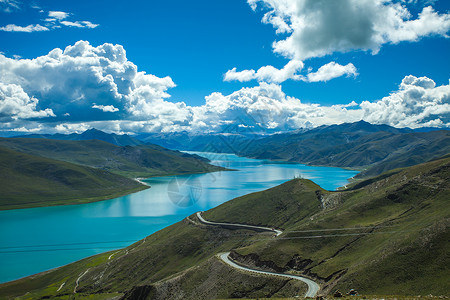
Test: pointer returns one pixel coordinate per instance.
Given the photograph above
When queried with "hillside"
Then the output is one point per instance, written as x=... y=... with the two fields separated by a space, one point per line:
x=371 y=148
x=129 y=161
x=31 y=181
x=385 y=236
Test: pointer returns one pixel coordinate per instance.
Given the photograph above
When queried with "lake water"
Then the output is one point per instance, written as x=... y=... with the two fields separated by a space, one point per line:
x=37 y=239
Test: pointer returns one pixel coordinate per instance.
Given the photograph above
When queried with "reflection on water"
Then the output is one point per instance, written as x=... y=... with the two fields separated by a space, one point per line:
x=34 y=240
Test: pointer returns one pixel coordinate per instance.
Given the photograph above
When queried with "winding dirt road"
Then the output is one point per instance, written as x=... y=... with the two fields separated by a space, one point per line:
x=313 y=287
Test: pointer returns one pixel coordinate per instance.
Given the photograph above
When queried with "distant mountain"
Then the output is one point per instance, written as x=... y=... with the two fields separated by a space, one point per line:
x=129 y=161
x=211 y=142
x=31 y=181
x=239 y=140
x=91 y=134
x=359 y=145
x=389 y=236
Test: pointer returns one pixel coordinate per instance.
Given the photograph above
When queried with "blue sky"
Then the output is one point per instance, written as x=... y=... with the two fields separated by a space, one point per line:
x=196 y=43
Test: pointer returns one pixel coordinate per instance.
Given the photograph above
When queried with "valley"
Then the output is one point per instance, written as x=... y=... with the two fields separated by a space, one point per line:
x=302 y=229
x=386 y=237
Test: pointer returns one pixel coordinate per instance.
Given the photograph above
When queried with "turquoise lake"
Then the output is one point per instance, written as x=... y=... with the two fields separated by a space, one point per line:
x=37 y=239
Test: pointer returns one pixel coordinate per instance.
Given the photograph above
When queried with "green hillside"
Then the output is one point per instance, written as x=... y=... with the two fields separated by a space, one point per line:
x=395 y=242
x=386 y=236
x=129 y=161
x=30 y=181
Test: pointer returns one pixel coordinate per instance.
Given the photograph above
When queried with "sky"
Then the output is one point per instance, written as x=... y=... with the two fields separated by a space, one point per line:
x=202 y=66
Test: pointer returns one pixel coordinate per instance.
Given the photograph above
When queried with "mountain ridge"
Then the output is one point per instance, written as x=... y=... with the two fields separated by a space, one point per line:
x=90 y=134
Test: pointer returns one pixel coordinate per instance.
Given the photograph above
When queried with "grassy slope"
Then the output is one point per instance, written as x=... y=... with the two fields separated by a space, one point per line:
x=30 y=181
x=138 y=161
x=162 y=255
x=406 y=214
x=408 y=258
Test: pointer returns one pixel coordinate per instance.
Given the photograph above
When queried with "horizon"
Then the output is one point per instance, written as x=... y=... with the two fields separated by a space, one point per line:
x=15 y=134
x=69 y=67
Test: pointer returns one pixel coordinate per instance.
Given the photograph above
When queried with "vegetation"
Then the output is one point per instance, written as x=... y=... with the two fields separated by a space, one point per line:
x=30 y=181
x=387 y=236
x=372 y=148
x=129 y=161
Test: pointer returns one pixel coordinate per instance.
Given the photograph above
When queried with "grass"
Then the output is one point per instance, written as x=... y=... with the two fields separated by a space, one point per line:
x=32 y=181
x=401 y=222
x=405 y=253
x=130 y=161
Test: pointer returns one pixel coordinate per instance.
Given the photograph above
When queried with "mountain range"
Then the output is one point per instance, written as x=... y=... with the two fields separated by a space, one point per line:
x=91 y=134
x=370 y=148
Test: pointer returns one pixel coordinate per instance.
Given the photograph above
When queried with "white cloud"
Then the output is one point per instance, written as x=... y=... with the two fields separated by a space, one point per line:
x=16 y=104
x=72 y=24
x=332 y=70
x=315 y=28
x=56 y=19
x=268 y=74
x=88 y=24
x=104 y=108
x=417 y=103
x=321 y=27
x=291 y=71
x=59 y=15
x=82 y=24
x=70 y=81
x=29 y=28
x=242 y=76
x=77 y=85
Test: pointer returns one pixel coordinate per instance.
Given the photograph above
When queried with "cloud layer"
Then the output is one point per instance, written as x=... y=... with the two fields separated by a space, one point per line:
x=316 y=28
x=84 y=86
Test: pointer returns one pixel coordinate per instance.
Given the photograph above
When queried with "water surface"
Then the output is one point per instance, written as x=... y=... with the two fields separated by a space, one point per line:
x=37 y=239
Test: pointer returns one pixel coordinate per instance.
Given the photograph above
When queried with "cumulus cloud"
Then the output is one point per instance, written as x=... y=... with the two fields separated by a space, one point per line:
x=84 y=86
x=417 y=103
x=315 y=28
x=242 y=76
x=70 y=81
x=29 y=28
x=332 y=70
x=268 y=74
x=291 y=71
x=16 y=104
x=320 y=27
